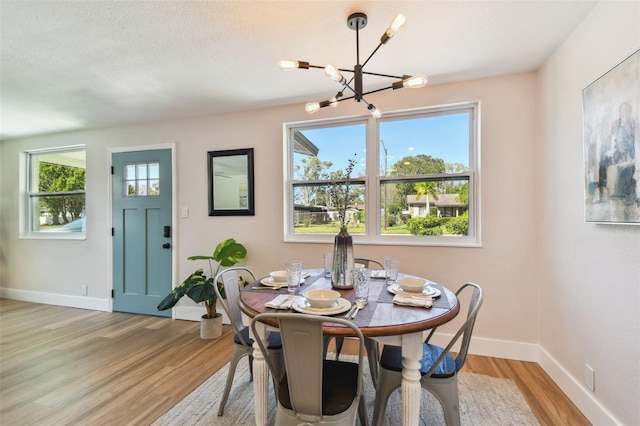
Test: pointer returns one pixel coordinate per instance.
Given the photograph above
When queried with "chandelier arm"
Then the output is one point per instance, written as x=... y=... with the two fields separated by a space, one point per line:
x=344 y=99
x=399 y=77
x=372 y=53
x=376 y=91
x=348 y=86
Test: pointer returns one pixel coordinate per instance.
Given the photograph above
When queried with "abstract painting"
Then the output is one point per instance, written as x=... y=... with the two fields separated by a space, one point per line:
x=611 y=113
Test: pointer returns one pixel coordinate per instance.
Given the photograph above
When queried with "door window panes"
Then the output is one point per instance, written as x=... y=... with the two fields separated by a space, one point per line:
x=142 y=179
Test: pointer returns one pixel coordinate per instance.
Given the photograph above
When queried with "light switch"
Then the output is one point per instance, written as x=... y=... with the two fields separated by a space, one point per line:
x=185 y=211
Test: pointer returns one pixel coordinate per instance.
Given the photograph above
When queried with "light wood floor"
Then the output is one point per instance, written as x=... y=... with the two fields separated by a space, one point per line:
x=65 y=366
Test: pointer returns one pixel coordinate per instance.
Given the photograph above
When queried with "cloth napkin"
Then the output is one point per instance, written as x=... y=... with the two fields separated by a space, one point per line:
x=282 y=301
x=422 y=302
x=378 y=273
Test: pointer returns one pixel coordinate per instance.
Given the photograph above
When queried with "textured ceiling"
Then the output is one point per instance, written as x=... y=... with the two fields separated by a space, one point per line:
x=67 y=65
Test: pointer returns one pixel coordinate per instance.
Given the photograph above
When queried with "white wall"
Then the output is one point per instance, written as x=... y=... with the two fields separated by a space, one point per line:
x=588 y=275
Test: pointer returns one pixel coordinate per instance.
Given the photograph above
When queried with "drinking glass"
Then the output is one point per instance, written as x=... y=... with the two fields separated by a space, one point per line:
x=327 y=259
x=294 y=273
x=361 y=284
x=391 y=265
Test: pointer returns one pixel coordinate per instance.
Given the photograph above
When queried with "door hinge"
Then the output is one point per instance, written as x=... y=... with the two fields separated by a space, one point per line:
x=113 y=232
x=113 y=293
x=112 y=170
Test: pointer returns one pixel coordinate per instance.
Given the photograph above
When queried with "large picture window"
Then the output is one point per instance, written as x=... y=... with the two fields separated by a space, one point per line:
x=56 y=192
x=415 y=181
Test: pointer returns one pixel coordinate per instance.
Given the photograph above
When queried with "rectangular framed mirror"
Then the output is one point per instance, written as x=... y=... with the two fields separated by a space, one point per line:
x=231 y=182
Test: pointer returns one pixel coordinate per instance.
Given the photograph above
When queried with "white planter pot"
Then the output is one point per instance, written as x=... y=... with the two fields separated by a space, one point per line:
x=211 y=328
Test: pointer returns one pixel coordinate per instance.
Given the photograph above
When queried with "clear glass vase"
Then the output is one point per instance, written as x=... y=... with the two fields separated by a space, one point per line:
x=342 y=260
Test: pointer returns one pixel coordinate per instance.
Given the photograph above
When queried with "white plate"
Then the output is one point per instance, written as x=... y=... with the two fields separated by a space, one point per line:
x=302 y=305
x=270 y=282
x=428 y=291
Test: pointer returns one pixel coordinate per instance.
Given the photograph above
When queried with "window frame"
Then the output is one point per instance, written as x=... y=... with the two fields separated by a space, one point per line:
x=26 y=213
x=373 y=179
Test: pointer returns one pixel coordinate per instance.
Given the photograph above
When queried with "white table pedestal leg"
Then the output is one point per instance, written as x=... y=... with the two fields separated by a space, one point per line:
x=411 y=389
x=260 y=379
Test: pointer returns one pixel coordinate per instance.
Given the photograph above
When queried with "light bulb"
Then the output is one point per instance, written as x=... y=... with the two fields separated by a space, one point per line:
x=333 y=102
x=415 y=81
x=287 y=64
x=396 y=25
x=374 y=111
x=312 y=107
x=334 y=74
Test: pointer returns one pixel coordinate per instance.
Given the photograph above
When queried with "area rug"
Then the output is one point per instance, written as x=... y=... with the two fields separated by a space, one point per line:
x=484 y=401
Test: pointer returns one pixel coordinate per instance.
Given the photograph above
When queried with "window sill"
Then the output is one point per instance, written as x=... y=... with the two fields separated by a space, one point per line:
x=77 y=236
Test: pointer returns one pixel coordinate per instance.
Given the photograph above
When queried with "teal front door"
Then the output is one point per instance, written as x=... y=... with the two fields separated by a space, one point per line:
x=142 y=233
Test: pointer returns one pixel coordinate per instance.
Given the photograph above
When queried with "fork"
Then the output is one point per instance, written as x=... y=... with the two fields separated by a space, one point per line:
x=359 y=306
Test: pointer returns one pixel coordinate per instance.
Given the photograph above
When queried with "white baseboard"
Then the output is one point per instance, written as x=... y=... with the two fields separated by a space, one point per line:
x=586 y=402
x=493 y=347
x=82 y=302
x=582 y=397
x=190 y=313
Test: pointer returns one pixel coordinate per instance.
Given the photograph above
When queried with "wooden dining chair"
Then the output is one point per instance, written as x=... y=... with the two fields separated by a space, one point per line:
x=242 y=342
x=314 y=390
x=438 y=366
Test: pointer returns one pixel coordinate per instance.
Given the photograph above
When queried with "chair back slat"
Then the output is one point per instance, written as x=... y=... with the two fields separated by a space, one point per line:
x=303 y=347
x=302 y=342
x=474 y=306
x=465 y=331
x=231 y=280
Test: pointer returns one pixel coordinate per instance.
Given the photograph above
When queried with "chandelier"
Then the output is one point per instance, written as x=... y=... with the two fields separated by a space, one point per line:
x=357 y=21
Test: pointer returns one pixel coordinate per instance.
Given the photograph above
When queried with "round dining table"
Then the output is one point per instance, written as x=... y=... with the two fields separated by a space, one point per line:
x=381 y=319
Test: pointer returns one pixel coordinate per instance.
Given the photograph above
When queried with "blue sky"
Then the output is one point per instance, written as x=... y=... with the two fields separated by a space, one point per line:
x=445 y=136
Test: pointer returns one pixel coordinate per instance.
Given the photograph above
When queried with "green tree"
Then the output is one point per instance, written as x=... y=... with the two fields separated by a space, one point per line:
x=311 y=169
x=61 y=178
x=414 y=165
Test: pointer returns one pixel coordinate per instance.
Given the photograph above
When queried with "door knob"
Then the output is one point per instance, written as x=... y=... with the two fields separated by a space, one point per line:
x=166 y=246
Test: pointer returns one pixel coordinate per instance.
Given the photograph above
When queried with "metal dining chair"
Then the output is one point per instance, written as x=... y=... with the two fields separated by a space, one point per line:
x=438 y=366
x=314 y=390
x=242 y=342
x=373 y=350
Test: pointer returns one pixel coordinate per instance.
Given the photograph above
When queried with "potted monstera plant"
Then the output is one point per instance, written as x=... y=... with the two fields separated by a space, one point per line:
x=200 y=287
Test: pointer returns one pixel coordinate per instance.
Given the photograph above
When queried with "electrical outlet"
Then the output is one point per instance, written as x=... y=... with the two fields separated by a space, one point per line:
x=85 y=290
x=589 y=377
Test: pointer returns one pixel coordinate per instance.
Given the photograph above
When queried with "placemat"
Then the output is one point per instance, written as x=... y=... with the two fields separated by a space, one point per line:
x=307 y=281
